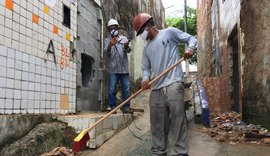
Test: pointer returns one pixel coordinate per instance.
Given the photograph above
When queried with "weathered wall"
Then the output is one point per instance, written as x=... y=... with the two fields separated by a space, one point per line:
x=255 y=26
x=88 y=56
x=205 y=55
x=219 y=21
x=31 y=81
x=243 y=56
x=156 y=9
x=136 y=58
x=229 y=30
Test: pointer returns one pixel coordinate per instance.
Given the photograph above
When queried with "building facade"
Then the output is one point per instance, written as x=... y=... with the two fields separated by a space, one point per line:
x=89 y=56
x=233 y=57
x=51 y=52
x=37 y=61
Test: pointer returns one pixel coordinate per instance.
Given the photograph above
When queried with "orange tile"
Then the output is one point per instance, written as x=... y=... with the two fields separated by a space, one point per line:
x=34 y=18
x=46 y=9
x=68 y=36
x=64 y=103
x=9 y=4
x=55 y=29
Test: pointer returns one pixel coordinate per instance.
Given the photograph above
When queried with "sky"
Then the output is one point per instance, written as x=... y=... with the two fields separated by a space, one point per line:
x=176 y=7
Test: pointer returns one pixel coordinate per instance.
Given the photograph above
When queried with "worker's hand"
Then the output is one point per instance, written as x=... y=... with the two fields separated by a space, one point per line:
x=126 y=44
x=113 y=42
x=188 y=54
x=145 y=85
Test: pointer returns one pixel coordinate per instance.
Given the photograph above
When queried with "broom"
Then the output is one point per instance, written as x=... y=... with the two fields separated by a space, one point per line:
x=80 y=141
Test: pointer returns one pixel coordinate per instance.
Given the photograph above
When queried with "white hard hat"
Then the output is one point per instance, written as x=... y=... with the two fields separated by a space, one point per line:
x=112 y=22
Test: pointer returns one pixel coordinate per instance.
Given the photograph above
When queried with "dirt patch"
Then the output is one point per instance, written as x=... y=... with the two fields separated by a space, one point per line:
x=43 y=138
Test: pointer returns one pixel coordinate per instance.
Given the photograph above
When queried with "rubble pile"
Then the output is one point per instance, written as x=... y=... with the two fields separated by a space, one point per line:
x=228 y=127
x=60 y=151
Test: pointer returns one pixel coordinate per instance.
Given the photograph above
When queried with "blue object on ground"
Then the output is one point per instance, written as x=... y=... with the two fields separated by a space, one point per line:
x=204 y=103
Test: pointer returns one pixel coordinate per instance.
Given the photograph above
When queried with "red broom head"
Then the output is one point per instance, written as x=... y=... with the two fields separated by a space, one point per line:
x=79 y=144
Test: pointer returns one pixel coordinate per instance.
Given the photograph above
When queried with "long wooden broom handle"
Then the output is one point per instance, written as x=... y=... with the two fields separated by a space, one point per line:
x=134 y=95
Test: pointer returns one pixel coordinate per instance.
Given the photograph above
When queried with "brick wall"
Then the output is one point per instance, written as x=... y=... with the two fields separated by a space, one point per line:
x=212 y=88
x=214 y=51
x=205 y=51
x=253 y=52
x=219 y=100
x=31 y=81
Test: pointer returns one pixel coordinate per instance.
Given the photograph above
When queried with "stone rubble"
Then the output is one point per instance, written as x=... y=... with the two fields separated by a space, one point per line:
x=228 y=127
x=59 y=151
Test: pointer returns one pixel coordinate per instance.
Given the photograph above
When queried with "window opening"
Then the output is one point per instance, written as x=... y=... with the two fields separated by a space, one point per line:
x=66 y=18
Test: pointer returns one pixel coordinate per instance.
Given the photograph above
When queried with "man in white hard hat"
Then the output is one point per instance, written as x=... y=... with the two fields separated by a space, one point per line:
x=167 y=94
x=117 y=48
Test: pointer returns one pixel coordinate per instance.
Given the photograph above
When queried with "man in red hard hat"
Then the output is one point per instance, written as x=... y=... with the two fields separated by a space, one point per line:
x=167 y=94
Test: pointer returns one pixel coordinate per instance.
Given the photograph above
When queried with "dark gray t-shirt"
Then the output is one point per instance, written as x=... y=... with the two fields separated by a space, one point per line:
x=162 y=52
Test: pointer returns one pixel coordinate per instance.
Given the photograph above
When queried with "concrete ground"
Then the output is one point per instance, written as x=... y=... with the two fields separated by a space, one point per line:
x=126 y=144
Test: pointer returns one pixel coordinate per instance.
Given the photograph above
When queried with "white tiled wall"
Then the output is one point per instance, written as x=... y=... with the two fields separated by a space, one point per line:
x=30 y=80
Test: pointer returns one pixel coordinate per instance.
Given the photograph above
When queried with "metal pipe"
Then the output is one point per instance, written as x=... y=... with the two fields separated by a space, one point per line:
x=185 y=24
x=217 y=39
x=101 y=60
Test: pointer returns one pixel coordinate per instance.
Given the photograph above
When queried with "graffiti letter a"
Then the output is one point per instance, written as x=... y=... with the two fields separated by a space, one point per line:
x=50 y=50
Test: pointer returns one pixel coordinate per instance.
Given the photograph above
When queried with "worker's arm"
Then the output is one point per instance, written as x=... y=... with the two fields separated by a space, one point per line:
x=191 y=41
x=146 y=71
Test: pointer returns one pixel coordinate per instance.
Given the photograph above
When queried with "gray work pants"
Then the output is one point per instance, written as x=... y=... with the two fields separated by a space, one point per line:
x=165 y=102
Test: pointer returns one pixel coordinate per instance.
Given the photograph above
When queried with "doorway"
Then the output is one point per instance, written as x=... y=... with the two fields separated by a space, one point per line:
x=235 y=80
x=87 y=69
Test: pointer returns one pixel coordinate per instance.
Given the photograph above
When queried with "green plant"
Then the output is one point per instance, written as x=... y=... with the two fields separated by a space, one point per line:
x=178 y=22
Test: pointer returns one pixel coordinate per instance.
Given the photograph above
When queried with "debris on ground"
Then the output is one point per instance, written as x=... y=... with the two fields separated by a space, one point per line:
x=229 y=127
x=60 y=151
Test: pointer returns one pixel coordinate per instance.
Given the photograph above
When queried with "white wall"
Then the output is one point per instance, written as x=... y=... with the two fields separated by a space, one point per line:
x=136 y=58
x=29 y=83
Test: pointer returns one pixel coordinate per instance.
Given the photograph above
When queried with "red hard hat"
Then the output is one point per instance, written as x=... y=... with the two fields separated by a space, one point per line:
x=140 y=20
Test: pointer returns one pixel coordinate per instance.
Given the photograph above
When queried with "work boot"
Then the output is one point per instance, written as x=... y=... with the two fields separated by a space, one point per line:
x=110 y=109
x=126 y=110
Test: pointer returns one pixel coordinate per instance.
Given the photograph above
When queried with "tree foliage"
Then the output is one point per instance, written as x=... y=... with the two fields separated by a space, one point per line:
x=178 y=22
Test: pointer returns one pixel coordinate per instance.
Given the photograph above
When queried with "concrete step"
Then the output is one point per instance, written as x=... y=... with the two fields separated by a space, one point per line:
x=103 y=131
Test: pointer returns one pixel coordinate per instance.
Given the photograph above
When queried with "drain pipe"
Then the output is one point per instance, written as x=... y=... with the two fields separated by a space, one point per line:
x=217 y=39
x=101 y=71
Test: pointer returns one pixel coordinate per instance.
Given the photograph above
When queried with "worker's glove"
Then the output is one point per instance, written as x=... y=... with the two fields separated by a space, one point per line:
x=145 y=85
x=188 y=54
